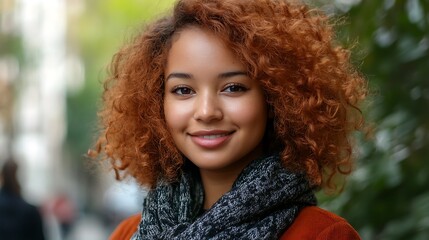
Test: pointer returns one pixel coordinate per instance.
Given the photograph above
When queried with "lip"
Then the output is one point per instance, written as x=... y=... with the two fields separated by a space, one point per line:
x=211 y=139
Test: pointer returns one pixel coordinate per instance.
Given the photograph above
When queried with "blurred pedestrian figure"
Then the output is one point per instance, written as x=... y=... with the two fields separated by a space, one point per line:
x=18 y=219
x=63 y=209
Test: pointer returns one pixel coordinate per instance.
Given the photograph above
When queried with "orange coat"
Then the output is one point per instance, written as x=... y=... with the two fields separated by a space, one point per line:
x=312 y=223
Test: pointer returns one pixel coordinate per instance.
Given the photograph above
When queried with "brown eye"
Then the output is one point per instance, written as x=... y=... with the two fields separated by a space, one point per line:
x=183 y=91
x=235 y=88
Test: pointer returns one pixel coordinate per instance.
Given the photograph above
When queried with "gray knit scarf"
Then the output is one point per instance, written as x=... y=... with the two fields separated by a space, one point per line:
x=262 y=204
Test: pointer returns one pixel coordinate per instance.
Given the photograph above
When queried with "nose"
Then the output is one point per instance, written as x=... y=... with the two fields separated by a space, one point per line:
x=208 y=108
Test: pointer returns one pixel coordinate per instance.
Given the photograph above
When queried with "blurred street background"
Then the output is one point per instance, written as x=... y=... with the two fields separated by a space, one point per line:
x=54 y=56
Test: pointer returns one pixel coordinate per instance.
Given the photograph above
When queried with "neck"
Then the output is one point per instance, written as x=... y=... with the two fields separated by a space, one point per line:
x=219 y=181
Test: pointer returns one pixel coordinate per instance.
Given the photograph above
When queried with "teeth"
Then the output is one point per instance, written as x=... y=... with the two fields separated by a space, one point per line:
x=214 y=136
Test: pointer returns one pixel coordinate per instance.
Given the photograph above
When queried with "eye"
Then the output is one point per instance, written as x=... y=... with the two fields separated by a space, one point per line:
x=182 y=90
x=234 y=87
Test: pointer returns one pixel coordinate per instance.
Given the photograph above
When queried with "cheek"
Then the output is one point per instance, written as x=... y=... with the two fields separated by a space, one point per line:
x=252 y=112
x=175 y=114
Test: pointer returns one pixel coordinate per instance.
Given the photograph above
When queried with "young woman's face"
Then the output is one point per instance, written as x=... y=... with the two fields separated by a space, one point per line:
x=215 y=112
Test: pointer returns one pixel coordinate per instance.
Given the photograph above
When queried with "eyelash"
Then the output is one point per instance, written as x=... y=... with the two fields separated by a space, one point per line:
x=241 y=88
x=176 y=90
x=228 y=89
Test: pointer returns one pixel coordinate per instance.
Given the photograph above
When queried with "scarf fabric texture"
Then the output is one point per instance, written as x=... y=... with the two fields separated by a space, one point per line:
x=262 y=204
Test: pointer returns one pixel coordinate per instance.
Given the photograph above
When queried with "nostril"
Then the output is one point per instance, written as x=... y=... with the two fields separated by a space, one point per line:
x=208 y=112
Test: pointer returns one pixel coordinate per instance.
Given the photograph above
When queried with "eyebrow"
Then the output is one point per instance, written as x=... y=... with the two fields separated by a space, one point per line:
x=220 y=76
x=232 y=74
x=179 y=75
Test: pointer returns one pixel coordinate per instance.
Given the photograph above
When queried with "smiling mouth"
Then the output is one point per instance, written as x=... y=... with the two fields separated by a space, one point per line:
x=210 y=134
x=211 y=139
x=214 y=136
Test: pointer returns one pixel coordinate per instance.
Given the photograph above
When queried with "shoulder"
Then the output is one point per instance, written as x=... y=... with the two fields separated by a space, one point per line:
x=126 y=228
x=316 y=223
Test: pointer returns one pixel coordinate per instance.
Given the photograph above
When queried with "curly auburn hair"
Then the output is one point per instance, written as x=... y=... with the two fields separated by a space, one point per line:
x=310 y=86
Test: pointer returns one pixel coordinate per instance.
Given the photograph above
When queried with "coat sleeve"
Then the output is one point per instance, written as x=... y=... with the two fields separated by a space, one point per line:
x=314 y=223
x=126 y=228
x=339 y=231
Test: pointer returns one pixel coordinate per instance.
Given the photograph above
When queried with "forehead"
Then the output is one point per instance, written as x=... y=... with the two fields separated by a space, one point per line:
x=196 y=48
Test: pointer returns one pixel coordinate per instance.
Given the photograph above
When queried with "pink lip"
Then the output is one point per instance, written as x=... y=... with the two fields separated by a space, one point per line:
x=210 y=139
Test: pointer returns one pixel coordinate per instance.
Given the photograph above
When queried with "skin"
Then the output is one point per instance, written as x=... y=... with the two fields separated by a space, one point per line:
x=216 y=114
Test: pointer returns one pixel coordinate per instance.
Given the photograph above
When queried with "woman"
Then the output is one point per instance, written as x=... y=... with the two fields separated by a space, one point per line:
x=233 y=113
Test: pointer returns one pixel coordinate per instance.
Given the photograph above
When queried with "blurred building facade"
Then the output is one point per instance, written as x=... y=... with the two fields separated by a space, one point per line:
x=33 y=86
x=37 y=72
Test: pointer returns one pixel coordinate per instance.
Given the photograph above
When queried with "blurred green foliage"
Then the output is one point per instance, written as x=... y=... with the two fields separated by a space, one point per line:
x=388 y=195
